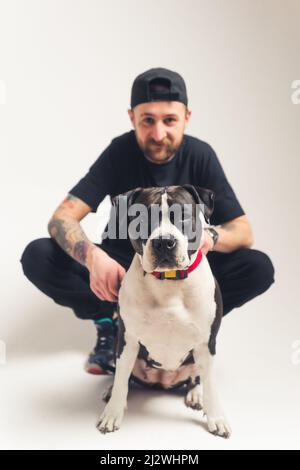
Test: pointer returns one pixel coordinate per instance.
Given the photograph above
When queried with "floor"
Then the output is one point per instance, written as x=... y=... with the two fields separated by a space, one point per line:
x=49 y=402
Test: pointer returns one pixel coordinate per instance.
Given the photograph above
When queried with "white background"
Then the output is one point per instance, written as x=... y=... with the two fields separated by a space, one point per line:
x=66 y=70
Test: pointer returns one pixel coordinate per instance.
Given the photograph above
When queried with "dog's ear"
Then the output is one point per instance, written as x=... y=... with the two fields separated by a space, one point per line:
x=130 y=195
x=121 y=217
x=202 y=196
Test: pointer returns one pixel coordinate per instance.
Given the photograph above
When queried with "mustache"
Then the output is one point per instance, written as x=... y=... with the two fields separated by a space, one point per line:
x=159 y=143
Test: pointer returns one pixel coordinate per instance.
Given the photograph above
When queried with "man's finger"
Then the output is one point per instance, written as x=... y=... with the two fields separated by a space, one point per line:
x=97 y=292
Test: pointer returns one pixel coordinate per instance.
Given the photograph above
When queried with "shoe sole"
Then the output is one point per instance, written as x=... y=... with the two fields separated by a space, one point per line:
x=95 y=369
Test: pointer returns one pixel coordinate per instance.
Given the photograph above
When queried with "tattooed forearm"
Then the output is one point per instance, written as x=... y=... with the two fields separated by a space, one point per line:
x=81 y=251
x=70 y=237
x=234 y=235
x=229 y=226
x=69 y=201
x=58 y=232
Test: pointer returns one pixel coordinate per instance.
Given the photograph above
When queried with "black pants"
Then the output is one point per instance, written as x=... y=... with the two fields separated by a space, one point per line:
x=242 y=275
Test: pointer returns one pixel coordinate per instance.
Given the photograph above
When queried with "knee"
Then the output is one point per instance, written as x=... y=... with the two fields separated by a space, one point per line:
x=261 y=269
x=33 y=256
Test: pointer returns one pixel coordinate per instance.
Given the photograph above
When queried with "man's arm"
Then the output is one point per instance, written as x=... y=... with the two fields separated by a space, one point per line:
x=65 y=229
x=236 y=233
x=105 y=273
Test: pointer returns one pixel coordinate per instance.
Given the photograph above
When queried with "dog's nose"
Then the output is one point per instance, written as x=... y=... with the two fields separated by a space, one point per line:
x=163 y=245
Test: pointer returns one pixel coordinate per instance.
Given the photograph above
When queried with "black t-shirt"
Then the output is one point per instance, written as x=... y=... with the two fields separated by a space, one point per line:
x=122 y=166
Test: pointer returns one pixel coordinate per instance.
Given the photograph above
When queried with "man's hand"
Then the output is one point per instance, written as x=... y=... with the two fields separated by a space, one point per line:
x=106 y=274
x=208 y=243
x=235 y=234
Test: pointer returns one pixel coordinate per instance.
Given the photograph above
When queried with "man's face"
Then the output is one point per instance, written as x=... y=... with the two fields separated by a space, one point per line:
x=159 y=128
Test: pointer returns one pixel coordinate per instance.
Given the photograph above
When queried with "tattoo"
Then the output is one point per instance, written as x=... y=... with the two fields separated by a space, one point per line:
x=68 y=201
x=58 y=232
x=70 y=237
x=229 y=226
x=80 y=251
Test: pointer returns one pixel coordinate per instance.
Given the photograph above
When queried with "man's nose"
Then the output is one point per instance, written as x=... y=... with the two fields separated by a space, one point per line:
x=164 y=245
x=158 y=132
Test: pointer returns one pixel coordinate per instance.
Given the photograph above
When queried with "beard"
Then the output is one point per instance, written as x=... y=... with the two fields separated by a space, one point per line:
x=159 y=153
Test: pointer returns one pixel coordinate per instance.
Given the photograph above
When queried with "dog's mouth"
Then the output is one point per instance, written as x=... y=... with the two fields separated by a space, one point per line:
x=166 y=262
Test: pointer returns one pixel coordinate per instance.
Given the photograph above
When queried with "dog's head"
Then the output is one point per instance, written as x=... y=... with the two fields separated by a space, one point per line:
x=165 y=224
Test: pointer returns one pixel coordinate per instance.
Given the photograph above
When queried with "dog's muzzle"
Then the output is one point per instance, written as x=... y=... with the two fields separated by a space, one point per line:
x=164 y=247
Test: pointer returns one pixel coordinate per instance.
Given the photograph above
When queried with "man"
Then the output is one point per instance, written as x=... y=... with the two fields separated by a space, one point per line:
x=85 y=276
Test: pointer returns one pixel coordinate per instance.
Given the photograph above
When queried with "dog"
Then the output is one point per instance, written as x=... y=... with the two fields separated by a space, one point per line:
x=169 y=306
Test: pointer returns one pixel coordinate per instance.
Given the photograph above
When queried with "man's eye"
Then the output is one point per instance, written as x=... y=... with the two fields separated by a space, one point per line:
x=150 y=120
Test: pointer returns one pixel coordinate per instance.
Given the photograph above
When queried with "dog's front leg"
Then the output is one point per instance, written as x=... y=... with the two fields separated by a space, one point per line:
x=113 y=413
x=217 y=422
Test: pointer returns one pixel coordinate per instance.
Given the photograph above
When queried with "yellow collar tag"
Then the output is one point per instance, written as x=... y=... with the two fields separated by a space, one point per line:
x=171 y=273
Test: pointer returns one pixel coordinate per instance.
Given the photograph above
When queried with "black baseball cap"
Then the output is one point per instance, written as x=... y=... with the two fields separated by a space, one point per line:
x=158 y=84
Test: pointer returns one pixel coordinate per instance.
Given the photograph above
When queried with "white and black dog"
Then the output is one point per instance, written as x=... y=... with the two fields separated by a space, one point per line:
x=170 y=306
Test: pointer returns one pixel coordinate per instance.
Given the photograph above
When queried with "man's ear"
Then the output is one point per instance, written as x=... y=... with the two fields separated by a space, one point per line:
x=202 y=196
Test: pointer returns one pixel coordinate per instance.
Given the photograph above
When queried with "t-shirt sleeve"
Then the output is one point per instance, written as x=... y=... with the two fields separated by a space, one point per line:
x=226 y=205
x=98 y=182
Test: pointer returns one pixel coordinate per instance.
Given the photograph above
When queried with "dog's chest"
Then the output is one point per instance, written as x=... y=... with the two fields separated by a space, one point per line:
x=168 y=320
x=166 y=328
x=167 y=333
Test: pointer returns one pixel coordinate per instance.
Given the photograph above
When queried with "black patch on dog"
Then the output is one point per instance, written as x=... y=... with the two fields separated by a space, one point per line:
x=144 y=354
x=189 y=359
x=121 y=337
x=157 y=385
x=217 y=321
x=192 y=382
x=197 y=380
x=204 y=196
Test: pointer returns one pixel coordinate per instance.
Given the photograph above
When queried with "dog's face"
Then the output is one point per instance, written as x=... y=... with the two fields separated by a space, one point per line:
x=165 y=224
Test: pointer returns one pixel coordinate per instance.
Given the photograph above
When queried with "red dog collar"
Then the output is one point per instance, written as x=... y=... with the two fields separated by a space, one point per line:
x=177 y=274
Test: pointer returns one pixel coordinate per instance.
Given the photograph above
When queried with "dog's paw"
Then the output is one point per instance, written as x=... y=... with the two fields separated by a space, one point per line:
x=193 y=398
x=111 y=418
x=219 y=426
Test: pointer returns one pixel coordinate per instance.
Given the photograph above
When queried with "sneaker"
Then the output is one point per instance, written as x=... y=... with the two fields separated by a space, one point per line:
x=102 y=358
